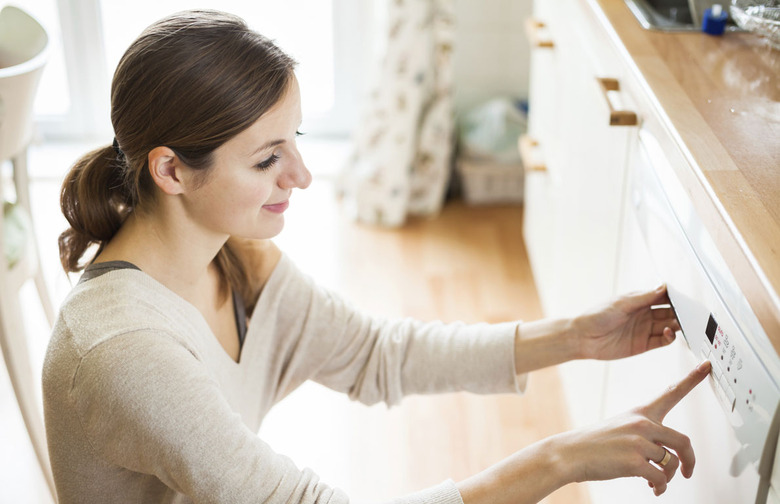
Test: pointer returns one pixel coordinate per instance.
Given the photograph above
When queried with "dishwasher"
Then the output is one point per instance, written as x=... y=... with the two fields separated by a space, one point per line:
x=732 y=422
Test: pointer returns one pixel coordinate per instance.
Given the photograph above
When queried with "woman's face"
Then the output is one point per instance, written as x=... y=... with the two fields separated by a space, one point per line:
x=253 y=176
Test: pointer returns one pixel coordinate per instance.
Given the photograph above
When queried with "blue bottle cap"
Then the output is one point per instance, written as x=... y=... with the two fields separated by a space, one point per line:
x=714 y=20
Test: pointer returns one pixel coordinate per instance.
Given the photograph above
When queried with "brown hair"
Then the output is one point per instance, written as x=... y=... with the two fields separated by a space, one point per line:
x=191 y=82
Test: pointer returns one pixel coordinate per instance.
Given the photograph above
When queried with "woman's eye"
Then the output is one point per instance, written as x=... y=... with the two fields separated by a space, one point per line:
x=264 y=165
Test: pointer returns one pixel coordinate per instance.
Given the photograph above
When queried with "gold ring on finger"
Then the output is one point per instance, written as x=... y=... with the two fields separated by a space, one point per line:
x=666 y=458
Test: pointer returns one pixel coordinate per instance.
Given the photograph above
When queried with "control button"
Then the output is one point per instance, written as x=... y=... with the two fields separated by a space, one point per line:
x=716 y=372
x=705 y=352
x=724 y=383
x=732 y=397
x=723 y=397
x=726 y=396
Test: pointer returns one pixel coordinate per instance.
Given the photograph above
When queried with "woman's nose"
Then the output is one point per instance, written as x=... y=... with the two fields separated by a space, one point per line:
x=295 y=174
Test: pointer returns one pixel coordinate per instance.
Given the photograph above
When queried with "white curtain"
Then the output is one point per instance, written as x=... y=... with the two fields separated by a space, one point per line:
x=402 y=156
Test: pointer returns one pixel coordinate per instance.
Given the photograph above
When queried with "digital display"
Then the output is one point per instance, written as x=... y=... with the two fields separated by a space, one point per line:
x=712 y=327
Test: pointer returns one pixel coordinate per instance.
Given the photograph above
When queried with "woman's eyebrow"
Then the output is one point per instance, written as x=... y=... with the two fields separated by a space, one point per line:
x=267 y=145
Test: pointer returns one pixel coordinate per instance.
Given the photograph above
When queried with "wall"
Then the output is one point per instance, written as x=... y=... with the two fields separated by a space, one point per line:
x=491 y=53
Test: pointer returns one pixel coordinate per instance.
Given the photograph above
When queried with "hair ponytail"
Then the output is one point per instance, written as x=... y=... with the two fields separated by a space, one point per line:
x=95 y=201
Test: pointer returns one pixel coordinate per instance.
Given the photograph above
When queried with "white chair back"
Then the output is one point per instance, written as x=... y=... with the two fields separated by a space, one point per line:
x=23 y=53
x=23 y=50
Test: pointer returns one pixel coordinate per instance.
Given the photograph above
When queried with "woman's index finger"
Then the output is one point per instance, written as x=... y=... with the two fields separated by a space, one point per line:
x=662 y=405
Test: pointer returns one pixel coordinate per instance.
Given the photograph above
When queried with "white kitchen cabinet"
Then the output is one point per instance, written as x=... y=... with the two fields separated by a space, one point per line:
x=540 y=184
x=573 y=206
x=586 y=235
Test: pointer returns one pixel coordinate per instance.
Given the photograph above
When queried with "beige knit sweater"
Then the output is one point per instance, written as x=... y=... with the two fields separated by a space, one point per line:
x=143 y=405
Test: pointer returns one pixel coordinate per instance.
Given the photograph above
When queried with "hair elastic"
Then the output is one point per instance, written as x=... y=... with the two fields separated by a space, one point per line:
x=119 y=152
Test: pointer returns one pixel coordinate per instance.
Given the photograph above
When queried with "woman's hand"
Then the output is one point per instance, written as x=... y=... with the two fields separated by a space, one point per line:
x=634 y=444
x=627 y=326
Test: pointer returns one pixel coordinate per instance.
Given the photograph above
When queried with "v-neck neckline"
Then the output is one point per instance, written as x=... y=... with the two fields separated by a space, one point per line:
x=186 y=305
x=198 y=316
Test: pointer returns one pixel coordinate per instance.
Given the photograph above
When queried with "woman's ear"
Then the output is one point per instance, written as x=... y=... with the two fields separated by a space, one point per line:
x=166 y=170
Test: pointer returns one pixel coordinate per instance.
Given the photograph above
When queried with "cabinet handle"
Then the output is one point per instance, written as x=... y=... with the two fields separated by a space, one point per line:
x=532 y=27
x=616 y=117
x=527 y=145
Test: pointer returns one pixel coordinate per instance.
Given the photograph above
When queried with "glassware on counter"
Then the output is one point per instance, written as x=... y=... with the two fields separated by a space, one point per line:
x=758 y=16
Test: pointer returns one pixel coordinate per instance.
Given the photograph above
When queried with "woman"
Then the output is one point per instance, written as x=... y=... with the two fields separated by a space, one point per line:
x=155 y=387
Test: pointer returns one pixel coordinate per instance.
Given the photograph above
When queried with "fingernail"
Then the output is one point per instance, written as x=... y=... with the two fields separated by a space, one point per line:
x=704 y=366
x=661 y=287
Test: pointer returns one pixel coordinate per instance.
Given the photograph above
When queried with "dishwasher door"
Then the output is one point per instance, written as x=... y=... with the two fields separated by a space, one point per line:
x=734 y=427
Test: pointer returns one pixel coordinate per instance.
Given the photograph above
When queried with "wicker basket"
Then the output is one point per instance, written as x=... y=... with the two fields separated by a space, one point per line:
x=486 y=182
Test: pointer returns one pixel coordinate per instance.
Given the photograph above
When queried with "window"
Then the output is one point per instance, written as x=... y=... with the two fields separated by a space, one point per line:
x=326 y=37
x=56 y=101
x=302 y=28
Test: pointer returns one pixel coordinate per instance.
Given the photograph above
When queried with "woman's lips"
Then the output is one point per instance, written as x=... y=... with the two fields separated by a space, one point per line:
x=277 y=207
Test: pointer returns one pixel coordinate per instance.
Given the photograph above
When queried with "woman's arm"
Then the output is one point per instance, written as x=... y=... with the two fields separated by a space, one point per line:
x=328 y=340
x=629 y=445
x=629 y=325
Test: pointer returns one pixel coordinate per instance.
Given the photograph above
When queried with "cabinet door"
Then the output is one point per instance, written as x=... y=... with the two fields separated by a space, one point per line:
x=540 y=192
x=591 y=166
x=573 y=209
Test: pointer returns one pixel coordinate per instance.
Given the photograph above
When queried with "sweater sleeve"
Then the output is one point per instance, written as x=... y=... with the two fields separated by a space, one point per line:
x=373 y=359
x=147 y=404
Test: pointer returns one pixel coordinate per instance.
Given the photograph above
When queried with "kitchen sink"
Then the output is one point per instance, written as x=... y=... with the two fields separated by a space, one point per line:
x=671 y=15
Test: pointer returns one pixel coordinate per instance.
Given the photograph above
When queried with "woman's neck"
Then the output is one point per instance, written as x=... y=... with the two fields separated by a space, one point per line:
x=181 y=259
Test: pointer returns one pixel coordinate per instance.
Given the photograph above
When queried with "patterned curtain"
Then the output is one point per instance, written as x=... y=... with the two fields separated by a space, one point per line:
x=402 y=156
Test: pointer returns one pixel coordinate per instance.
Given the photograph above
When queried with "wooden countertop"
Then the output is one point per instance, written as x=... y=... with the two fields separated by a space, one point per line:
x=720 y=98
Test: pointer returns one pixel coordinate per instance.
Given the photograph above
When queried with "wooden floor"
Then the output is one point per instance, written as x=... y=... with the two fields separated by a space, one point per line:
x=469 y=264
